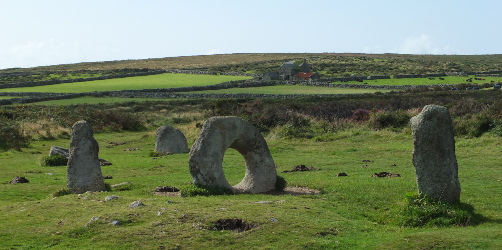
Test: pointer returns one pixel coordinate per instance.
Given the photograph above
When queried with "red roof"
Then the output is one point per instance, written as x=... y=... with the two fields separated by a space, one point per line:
x=304 y=74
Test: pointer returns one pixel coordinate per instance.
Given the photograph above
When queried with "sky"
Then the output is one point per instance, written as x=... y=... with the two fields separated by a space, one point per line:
x=49 y=32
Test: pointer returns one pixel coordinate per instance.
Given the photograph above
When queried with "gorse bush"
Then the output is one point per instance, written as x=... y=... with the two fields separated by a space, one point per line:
x=389 y=119
x=472 y=125
x=11 y=135
x=298 y=127
x=55 y=160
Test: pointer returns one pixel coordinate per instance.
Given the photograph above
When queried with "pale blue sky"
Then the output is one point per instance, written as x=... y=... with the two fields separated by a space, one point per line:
x=48 y=32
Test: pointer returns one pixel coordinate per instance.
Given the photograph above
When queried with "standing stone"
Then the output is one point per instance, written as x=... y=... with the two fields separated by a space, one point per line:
x=83 y=170
x=434 y=154
x=220 y=133
x=170 y=140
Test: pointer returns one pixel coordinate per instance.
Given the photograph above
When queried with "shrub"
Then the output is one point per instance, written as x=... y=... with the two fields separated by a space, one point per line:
x=422 y=211
x=389 y=119
x=11 y=135
x=297 y=127
x=496 y=127
x=360 y=115
x=55 y=160
x=472 y=126
x=193 y=190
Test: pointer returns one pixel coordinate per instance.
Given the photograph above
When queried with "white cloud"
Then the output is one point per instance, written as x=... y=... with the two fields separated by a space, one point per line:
x=423 y=44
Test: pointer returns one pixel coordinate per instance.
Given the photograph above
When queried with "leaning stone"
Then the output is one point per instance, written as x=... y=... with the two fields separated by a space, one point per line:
x=55 y=150
x=169 y=140
x=84 y=171
x=220 y=133
x=434 y=154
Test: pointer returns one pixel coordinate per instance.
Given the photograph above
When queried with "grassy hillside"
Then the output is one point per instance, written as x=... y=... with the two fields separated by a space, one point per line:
x=359 y=135
x=358 y=211
x=328 y=64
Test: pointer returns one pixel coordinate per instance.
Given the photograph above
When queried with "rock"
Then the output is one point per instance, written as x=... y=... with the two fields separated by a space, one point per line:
x=93 y=219
x=136 y=204
x=19 y=179
x=84 y=171
x=123 y=184
x=169 y=140
x=116 y=223
x=385 y=174
x=220 y=133
x=434 y=154
x=55 y=150
x=111 y=197
x=342 y=174
x=103 y=162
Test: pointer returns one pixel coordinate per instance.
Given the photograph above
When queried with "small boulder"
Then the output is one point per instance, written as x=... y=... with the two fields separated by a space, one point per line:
x=136 y=204
x=19 y=179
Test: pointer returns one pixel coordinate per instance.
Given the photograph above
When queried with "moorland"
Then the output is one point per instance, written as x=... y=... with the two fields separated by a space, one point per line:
x=357 y=131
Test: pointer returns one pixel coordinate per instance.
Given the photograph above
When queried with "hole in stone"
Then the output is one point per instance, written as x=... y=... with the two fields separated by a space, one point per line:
x=233 y=224
x=234 y=166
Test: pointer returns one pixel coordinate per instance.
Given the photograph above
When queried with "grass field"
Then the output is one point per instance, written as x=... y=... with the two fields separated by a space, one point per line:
x=353 y=212
x=292 y=89
x=132 y=83
x=357 y=211
x=8 y=97
x=426 y=81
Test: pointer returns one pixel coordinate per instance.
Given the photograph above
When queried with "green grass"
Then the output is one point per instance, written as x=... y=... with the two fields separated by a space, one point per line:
x=292 y=89
x=357 y=211
x=95 y=100
x=132 y=83
x=426 y=81
x=8 y=97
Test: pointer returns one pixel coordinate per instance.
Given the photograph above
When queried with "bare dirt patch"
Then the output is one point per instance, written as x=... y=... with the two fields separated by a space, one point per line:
x=385 y=174
x=167 y=191
x=295 y=191
x=237 y=225
x=301 y=168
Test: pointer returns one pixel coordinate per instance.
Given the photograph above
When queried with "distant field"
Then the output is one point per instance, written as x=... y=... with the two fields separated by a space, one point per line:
x=95 y=100
x=292 y=89
x=132 y=83
x=7 y=97
x=426 y=81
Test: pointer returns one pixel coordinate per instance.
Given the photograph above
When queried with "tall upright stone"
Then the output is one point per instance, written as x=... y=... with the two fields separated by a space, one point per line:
x=434 y=154
x=83 y=170
x=170 y=140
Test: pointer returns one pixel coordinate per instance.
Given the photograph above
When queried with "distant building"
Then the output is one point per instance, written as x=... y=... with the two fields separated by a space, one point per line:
x=294 y=71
